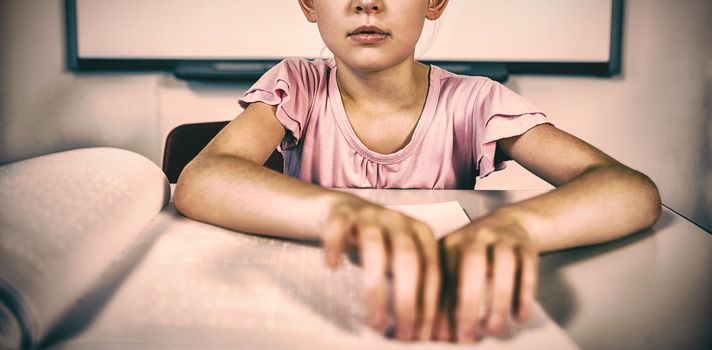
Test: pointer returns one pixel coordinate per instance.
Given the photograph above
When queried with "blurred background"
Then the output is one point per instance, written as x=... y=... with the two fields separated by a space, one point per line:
x=656 y=116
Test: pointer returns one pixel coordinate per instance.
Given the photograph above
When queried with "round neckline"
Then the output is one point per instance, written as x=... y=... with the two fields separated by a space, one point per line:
x=424 y=120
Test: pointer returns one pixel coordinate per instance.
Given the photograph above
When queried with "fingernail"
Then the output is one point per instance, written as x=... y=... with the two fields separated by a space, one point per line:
x=523 y=312
x=494 y=324
x=465 y=333
x=426 y=333
x=527 y=306
x=377 y=321
x=405 y=333
x=333 y=260
x=443 y=332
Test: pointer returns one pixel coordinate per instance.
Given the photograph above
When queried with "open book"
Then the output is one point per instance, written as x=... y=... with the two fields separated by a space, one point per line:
x=93 y=255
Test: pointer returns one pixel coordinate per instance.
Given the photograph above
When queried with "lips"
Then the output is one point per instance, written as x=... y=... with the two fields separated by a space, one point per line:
x=368 y=34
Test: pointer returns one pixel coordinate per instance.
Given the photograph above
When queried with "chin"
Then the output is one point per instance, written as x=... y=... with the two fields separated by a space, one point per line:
x=373 y=63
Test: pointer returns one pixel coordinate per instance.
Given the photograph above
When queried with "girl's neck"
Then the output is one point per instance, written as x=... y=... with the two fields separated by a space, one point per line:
x=401 y=87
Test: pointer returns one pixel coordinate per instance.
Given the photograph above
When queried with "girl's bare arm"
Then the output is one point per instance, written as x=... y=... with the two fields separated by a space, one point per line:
x=227 y=185
x=598 y=199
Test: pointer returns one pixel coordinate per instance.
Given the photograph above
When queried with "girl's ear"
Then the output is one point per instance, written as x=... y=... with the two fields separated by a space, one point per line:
x=308 y=9
x=435 y=9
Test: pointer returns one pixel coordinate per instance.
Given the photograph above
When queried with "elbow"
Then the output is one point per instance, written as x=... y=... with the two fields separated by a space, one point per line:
x=656 y=203
x=180 y=201
x=649 y=197
x=637 y=195
x=183 y=196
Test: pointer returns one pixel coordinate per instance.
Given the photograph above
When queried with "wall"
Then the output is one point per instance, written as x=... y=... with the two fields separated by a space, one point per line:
x=656 y=116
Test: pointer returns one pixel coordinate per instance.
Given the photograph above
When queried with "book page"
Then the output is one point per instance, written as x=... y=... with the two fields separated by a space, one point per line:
x=205 y=287
x=442 y=217
x=64 y=218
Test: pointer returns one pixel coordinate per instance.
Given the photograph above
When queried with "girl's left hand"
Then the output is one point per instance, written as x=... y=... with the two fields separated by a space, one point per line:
x=490 y=267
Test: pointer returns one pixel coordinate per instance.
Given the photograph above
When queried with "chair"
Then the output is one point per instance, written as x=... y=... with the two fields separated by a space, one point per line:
x=185 y=141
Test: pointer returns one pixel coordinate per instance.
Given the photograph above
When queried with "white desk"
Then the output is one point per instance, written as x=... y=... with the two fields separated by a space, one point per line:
x=648 y=290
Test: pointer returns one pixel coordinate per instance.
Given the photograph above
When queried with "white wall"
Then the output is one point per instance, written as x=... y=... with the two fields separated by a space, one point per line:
x=656 y=116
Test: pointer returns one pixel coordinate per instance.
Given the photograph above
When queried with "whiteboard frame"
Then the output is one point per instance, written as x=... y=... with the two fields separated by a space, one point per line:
x=250 y=69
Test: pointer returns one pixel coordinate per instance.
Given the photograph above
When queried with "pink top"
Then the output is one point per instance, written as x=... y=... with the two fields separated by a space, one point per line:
x=454 y=139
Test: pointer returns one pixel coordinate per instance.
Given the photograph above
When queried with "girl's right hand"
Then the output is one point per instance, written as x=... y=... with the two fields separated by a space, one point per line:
x=389 y=243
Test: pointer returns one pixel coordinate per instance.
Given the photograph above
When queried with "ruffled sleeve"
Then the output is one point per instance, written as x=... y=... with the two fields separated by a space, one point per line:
x=500 y=113
x=290 y=85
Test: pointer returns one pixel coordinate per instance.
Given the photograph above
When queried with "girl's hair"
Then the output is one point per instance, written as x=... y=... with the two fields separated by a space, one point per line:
x=324 y=50
x=427 y=44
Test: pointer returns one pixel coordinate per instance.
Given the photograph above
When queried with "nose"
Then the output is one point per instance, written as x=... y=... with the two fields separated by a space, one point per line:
x=368 y=6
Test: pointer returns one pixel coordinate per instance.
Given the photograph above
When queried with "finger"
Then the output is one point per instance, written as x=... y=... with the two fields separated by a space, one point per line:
x=502 y=287
x=405 y=265
x=527 y=282
x=442 y=327
x=430 y=280
x=448 y=266
x=373 y=257
x=473 y=279
x=338 y=227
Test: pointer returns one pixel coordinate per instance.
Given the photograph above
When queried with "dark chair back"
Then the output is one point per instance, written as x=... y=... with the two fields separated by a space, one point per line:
x=185 y=141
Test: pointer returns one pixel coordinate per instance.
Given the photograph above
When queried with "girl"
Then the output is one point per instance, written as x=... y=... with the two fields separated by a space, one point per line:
x=375 y=117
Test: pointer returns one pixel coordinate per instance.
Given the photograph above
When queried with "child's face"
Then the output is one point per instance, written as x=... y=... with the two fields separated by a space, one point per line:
x=370 y=35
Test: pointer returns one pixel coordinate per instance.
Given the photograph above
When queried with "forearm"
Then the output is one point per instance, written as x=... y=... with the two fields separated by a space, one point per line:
x=601 y=204
x=237 y=194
